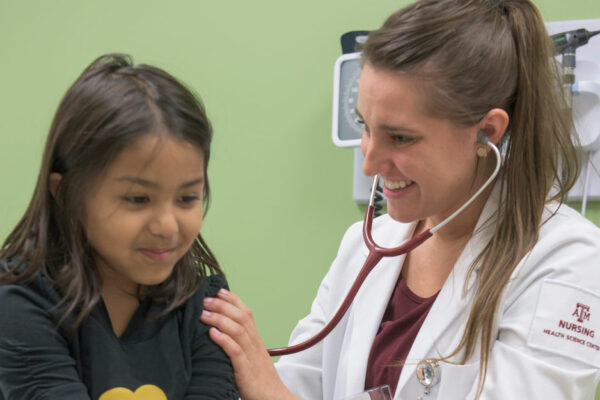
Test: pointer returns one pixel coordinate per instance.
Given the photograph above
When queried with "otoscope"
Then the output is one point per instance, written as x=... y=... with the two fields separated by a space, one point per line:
x=566 y=43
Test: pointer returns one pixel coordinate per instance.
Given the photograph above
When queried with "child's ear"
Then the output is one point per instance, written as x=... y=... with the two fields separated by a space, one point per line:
x=54 y=183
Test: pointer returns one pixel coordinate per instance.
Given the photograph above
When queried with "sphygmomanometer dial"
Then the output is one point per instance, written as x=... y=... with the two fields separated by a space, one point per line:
x=350 y=98
x=347 y=126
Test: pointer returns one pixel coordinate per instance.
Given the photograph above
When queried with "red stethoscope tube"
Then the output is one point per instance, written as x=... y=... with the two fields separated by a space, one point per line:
x=377 y=252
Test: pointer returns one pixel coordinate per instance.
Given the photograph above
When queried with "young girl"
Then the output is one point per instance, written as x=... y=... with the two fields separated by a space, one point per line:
x=103 y=278
x=503 y=301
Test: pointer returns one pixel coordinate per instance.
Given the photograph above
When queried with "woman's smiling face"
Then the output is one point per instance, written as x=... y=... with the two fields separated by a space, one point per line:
x=429 y=165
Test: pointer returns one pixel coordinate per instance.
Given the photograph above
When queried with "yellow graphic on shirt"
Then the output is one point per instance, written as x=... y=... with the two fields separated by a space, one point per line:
x=146 y=392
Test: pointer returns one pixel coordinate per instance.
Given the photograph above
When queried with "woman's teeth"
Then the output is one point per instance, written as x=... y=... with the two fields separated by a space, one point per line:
x=398 y=184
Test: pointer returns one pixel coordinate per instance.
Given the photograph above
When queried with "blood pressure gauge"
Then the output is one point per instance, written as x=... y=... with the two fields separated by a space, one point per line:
x=346 y=129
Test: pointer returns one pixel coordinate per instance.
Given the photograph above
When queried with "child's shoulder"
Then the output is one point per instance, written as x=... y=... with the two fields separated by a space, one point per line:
x=209 y=287
x=37 y=290
x=189 y=314
x=212 y=284
x=25 y=305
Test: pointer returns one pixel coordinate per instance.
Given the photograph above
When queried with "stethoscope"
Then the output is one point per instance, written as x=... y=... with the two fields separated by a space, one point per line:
x=377 y=252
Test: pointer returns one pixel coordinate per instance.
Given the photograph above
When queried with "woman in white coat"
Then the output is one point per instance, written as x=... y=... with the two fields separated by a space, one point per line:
x=501 y=303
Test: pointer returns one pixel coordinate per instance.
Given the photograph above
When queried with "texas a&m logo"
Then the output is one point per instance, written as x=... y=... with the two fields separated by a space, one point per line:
x=582 y=312
x=567 y=327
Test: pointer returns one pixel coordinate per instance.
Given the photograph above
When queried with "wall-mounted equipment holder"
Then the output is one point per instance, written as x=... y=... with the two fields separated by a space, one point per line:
x=586 y=107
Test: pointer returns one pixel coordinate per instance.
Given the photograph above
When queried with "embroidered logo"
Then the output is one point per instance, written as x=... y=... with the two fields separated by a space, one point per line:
x=582 y=312
x=564 y=324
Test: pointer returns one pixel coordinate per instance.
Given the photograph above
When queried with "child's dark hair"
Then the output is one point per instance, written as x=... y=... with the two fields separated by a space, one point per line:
x=109 y=106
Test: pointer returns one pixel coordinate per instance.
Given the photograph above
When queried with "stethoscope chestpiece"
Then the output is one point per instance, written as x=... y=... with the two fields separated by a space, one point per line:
x=428 y=374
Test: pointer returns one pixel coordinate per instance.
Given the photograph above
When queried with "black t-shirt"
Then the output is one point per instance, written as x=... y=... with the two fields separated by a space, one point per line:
x=172 y=357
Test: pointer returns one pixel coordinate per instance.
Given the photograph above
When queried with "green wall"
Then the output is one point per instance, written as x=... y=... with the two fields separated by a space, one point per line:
x=264 y=68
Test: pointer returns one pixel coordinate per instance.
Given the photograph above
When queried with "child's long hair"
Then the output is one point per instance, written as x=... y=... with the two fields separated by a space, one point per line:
x=472 y=56
x=109 y=106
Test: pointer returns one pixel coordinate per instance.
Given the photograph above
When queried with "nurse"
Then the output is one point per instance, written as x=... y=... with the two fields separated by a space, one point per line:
x=501 y=303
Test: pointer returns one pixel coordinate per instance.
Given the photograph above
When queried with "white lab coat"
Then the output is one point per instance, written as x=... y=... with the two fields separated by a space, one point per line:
x=529 y=358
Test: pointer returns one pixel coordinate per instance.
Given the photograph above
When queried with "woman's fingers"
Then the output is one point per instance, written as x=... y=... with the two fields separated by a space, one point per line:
x=227 y=303
x=230 y=346
x=233 y=329
x=233 y=299
x=224 y=309
x=255 y=375
x=231 y=319
x=237 y=310
x=229 y=327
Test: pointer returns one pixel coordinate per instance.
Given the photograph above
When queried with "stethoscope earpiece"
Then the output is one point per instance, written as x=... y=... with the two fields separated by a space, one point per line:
x=482 y=138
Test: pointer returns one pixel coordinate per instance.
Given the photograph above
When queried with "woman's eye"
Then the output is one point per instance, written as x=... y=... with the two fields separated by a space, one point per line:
x=401 y=139
x=365 y=128
x=136 y=199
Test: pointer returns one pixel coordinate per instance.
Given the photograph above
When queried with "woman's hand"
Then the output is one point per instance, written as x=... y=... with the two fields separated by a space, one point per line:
x=235 y=331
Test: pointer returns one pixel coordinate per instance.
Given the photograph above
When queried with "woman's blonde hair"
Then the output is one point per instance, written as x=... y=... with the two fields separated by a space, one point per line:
x=472 y=56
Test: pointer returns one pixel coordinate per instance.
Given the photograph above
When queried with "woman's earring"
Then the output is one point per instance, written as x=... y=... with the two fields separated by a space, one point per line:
x=481 y=151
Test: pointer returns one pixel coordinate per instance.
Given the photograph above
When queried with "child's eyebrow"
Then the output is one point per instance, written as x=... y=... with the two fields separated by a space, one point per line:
x=144 y=182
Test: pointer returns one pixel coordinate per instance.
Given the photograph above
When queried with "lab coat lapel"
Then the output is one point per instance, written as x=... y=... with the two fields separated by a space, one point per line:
x=442 y=329
x=439 y=328
x=369 y=306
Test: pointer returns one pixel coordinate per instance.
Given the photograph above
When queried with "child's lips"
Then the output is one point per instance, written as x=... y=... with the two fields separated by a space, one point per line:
x=157 y=254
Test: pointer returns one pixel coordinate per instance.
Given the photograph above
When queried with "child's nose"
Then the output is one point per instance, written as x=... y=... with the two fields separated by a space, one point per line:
x=164 y=224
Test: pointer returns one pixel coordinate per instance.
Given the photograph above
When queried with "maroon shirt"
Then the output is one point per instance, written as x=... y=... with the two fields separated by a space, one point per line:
x=400 y=324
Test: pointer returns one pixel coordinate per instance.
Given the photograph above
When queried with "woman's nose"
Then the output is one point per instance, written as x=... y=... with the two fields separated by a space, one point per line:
x=374 y=154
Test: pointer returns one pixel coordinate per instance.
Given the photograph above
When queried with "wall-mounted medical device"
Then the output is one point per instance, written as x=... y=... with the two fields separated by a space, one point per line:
x=582 y=68
x=579 y=54
x=346 y=130
x=566 y=44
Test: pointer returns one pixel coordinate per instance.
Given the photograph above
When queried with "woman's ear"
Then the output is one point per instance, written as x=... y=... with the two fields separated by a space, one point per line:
x=494 y=124
x=53 y=183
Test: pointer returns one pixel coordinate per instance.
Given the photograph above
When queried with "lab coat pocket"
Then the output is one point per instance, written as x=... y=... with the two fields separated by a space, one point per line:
x=456 y=381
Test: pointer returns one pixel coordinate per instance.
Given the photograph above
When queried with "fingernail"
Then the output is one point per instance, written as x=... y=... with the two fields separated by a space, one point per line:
x=206 y=314
x=223 y=292
x=215 y=330
x=208 y=300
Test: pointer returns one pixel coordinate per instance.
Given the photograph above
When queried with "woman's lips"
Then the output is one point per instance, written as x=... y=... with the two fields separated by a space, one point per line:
x=397 y=189
x=394 y=185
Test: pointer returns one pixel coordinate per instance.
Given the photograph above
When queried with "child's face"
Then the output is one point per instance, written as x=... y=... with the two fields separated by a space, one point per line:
x=145 y=212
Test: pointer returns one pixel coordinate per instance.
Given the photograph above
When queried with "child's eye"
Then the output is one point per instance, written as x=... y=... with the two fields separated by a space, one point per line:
x=188 y=199
x=136 y=199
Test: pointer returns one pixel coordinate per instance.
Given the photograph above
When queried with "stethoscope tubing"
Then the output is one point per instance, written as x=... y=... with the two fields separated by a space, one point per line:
x=376 y=253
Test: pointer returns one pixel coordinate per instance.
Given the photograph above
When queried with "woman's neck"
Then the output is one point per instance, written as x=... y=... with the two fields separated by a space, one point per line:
x=463 y=225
